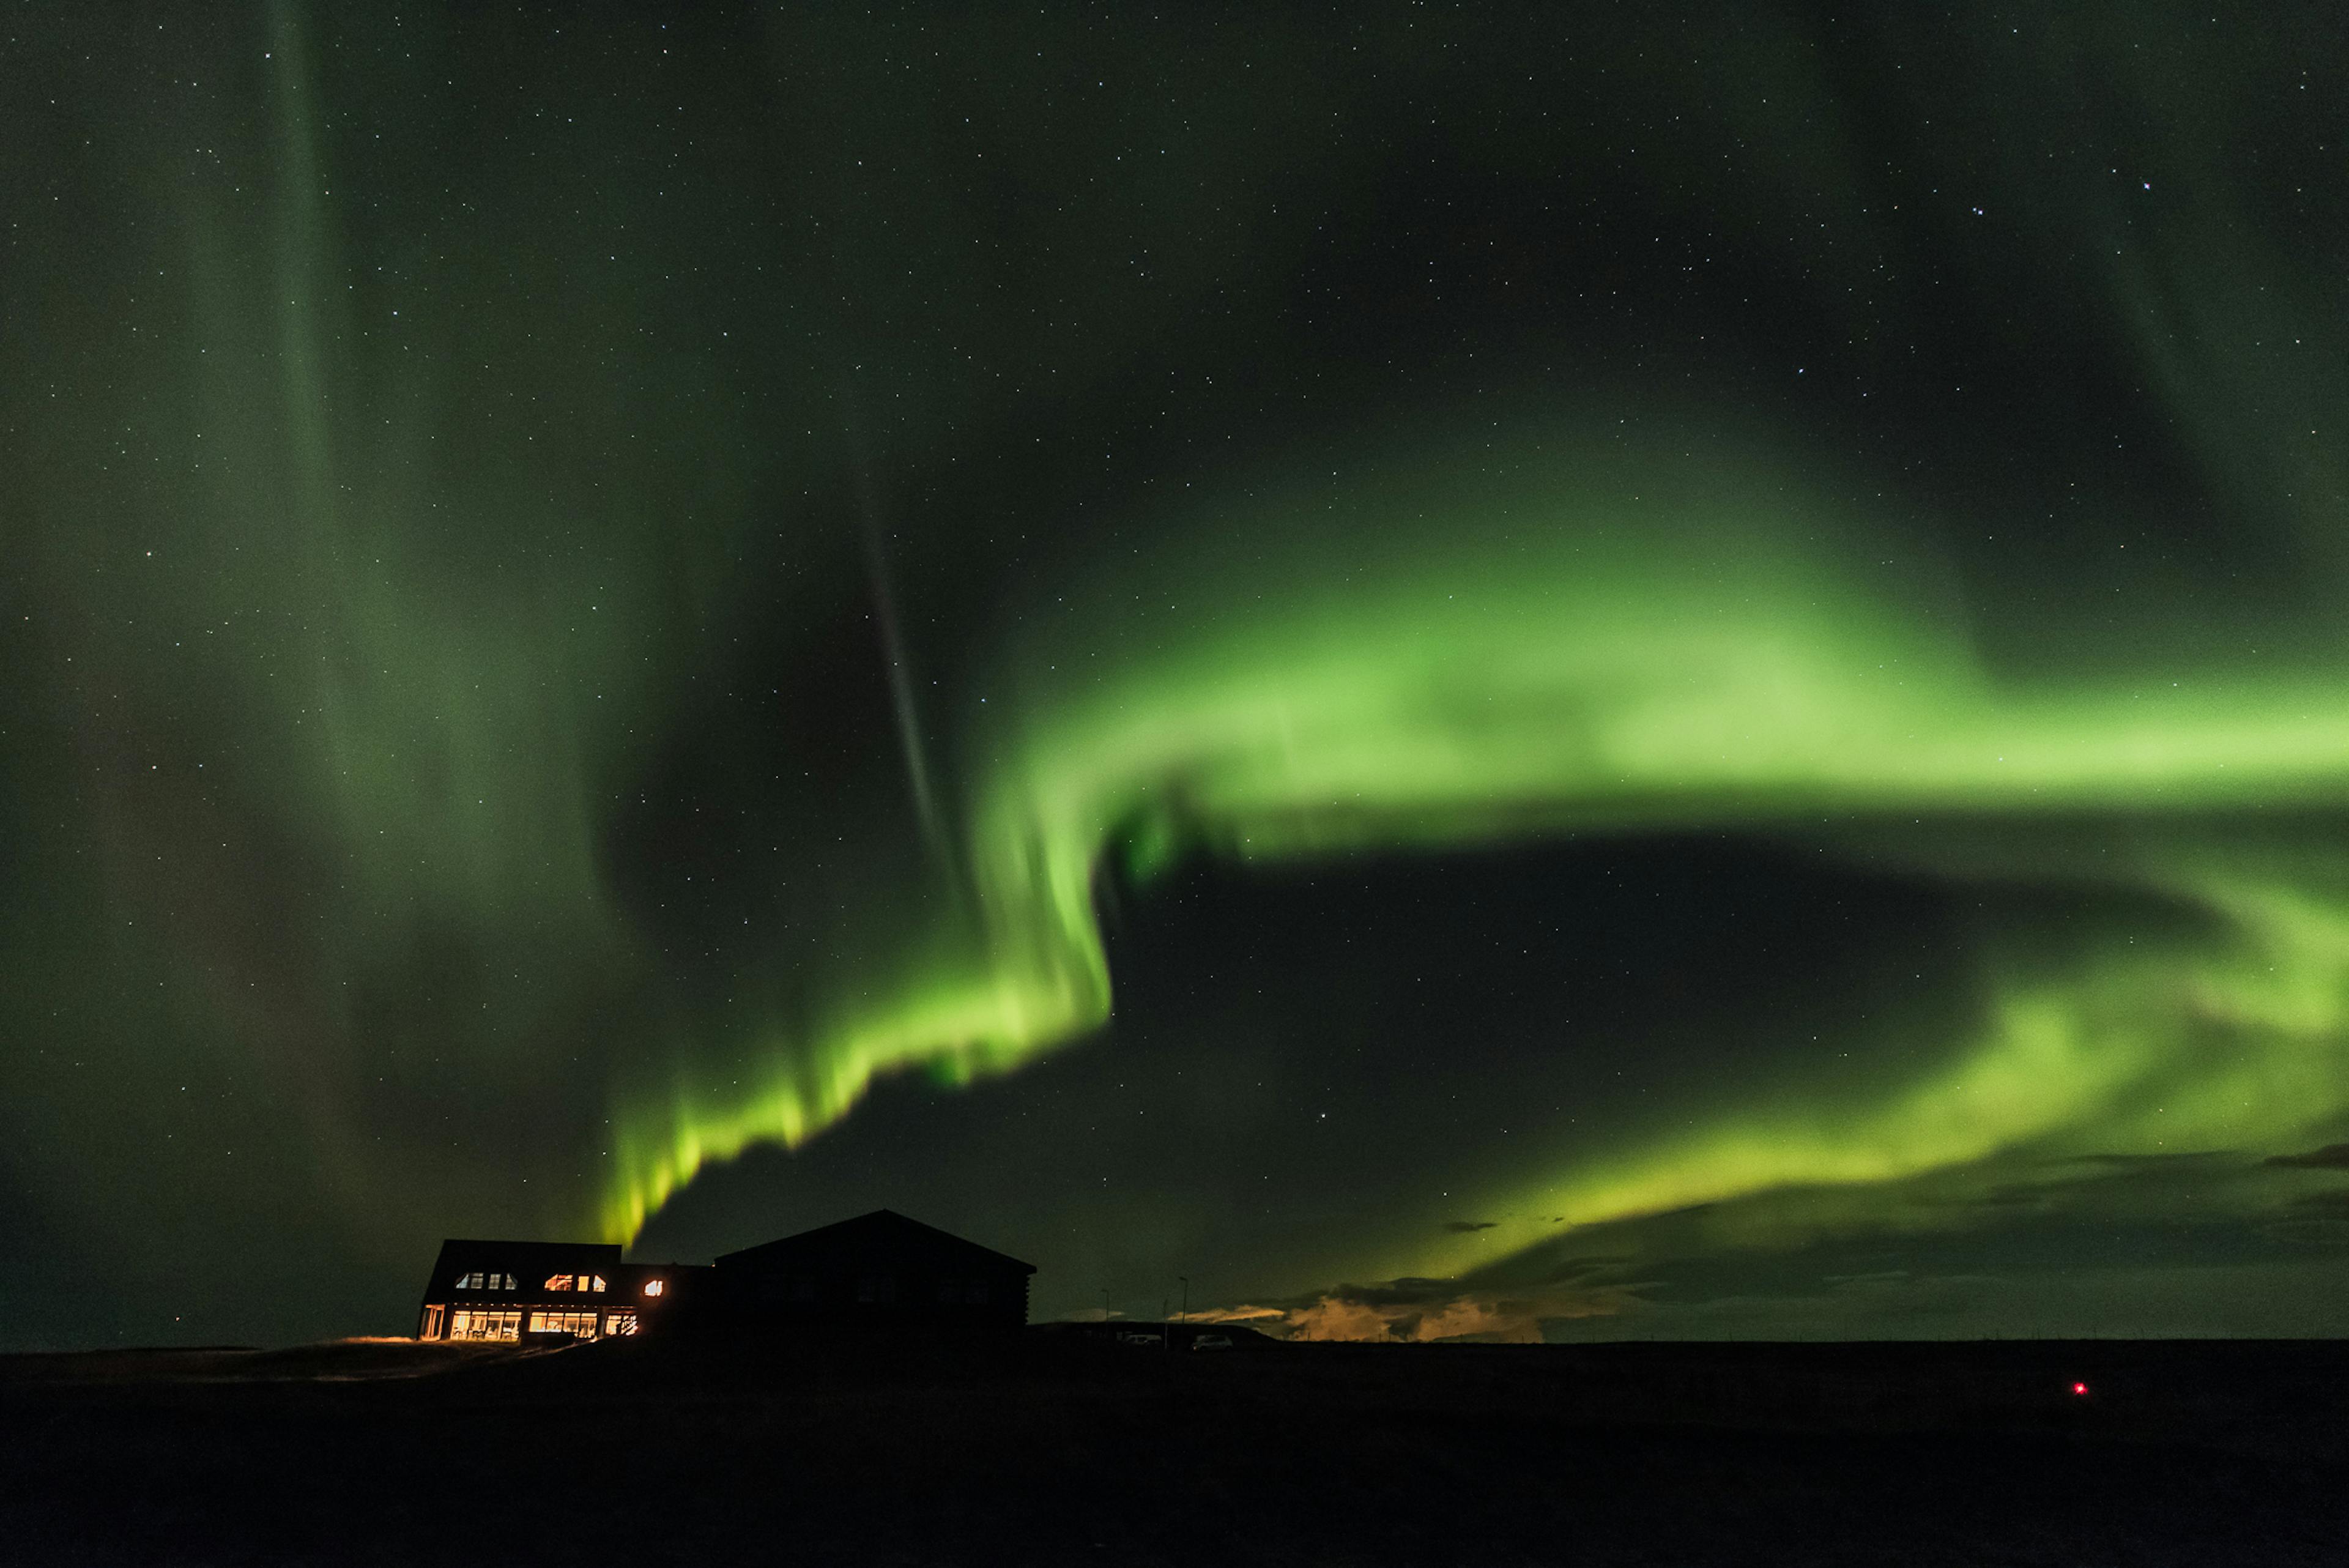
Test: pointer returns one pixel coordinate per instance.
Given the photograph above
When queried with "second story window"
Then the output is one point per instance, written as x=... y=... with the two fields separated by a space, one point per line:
x=558 y=1282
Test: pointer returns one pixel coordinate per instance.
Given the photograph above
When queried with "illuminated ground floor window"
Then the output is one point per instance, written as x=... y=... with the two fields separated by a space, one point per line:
x=465 y=1324
x=433 y=1315
x=621 y=1322
x=581 y=1323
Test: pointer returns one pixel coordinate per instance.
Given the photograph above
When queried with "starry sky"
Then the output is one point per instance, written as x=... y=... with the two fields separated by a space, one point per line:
x=1406 y=671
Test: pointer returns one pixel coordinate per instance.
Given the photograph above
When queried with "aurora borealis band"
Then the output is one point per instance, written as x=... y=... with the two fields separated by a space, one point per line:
x=1551 y=675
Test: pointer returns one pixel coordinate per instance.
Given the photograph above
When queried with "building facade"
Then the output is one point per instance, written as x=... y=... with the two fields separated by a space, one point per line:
x=880 y=1269
x=507 y=1290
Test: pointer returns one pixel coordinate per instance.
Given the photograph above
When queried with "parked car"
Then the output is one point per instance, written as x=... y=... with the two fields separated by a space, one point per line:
x=1212 y=1342
x=1131 y=1337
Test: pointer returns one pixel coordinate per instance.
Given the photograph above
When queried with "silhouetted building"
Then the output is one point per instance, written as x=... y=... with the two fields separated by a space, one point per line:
x=504 y=1290
x=880 y=1270
x=879 y=1267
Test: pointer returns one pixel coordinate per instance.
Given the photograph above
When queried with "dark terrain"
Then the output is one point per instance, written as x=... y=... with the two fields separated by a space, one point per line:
x=1061 y=1449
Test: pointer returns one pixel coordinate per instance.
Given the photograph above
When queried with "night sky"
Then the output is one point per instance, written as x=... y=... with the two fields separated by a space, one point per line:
x=1571 y=673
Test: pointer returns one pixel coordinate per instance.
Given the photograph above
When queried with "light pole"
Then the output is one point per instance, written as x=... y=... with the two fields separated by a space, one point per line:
x=1186 y=1296
x=1105 y=1306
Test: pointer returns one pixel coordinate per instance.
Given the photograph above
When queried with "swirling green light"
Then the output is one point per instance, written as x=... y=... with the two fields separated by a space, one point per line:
x=1569 y=642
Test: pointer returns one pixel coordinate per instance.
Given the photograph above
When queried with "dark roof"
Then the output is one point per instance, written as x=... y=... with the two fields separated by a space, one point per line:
x=666 y=1271
x=462 y=1255
x=884 y=1231
x=522 y=1252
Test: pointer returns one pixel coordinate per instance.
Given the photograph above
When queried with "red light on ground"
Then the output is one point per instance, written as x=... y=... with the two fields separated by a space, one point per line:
x=2079 y=1388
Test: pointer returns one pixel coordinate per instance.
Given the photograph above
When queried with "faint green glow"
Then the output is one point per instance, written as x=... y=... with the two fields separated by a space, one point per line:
x=1557 y=653
x=2148 y=1053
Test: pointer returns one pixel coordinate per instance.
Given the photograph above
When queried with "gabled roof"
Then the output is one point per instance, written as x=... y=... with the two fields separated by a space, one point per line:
x=523 y=1253
x=882 y=1231
x=459 y=1255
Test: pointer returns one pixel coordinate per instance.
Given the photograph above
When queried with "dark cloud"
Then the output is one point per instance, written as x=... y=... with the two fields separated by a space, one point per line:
x=2331 y=1157
x=2004 y=1196
x=2333 y=1202
x=1465 y=1226
x=2188 y=1168
x=2164 y=1159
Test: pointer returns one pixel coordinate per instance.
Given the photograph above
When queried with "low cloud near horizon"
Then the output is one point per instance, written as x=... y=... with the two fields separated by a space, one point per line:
x=1424 y=1312
x=2083 y=1246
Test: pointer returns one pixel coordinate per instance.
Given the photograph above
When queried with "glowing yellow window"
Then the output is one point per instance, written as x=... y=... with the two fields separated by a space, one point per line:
x=558 y=1282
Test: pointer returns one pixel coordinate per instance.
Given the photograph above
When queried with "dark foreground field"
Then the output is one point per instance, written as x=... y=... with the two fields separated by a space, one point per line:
x=1054 y=1452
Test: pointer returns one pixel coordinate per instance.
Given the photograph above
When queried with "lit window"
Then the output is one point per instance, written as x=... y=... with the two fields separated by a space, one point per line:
x=485 y=1324
x=623 y=1320
x=558 y=1282
x=654 y=1287
x=598 y=1285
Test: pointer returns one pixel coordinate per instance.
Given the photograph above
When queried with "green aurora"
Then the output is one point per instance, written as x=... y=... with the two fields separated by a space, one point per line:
x=1601 y=660
x=582 y=603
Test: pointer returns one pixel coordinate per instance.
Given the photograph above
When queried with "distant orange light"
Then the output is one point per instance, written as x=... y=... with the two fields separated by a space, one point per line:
x=2079 y=1388
x=653 y=1287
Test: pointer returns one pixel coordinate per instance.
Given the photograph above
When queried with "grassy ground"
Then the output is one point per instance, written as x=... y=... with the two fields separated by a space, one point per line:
x=1055 y=1451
